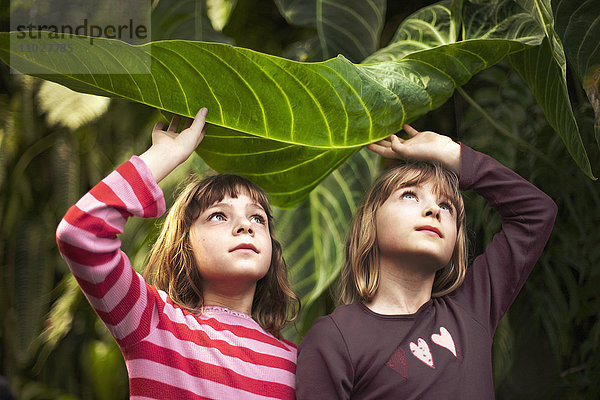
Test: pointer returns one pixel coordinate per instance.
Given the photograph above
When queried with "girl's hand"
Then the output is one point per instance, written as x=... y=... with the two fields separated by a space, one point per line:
x=169 y=148
x=426 y=146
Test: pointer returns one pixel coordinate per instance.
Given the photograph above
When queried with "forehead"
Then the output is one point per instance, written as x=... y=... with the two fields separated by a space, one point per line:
x=240 y=199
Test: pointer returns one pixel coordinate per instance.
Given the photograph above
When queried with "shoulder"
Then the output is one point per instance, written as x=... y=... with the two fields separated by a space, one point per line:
x=343 y=317
x=333 y=327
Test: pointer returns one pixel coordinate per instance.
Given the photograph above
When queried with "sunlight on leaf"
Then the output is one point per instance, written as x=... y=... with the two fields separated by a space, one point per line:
x=68 y=108
x=219 y=12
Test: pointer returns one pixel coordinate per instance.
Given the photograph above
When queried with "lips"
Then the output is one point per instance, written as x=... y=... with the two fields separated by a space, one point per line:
x=245 y=246
x=429 y=228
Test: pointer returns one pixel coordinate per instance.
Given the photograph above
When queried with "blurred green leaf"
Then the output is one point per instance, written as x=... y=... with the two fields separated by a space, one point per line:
x=544 y=70
x=107 y=370
x=187 y=20
x=68 y=108
x=578 y=25
x=348 y=27
x=314 y=233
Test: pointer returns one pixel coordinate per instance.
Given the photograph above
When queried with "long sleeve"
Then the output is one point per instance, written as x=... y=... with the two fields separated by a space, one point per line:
x=169 y=351
x=496 y=276
x=87 y=239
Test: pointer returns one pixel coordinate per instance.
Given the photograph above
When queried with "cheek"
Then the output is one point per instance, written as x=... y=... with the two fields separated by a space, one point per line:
x=199 y=245
x=268 y=249
x=452 y=233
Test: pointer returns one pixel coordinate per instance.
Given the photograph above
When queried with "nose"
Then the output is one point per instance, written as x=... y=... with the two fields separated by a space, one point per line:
x=243 y=227
x=432 y=210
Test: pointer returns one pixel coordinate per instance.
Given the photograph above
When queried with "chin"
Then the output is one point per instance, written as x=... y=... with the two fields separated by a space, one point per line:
x=251 y=271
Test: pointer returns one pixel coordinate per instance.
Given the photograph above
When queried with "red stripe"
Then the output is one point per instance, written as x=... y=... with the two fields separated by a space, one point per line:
x=214 y=373
x=99 y=289
x=244 y=332
x=240 y=331
x=199 y=337
x=143 y=194
x=90 y=223
x=108 y=196
x=83 y=256
x=143 y=328
x=121 y=310
x=158 y=390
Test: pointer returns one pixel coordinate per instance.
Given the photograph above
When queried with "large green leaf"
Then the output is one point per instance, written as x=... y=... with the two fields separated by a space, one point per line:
x=544 y=70
x=314 y=233
x=541 y=11
x=578 y=25
x=348 y=27
x=500 y=19
x=427 y=28
x=271 y=163
x=304 y=119
x=544 y=76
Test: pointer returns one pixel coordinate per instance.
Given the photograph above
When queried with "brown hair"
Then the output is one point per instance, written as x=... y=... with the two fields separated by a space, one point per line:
x=360 y=276
x=172 y=266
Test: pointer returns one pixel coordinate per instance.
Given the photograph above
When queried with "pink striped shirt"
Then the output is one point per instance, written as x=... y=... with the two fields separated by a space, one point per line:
x=169 y=352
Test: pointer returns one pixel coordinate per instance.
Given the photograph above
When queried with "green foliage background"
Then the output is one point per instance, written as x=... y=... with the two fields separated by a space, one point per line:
x=52 y=346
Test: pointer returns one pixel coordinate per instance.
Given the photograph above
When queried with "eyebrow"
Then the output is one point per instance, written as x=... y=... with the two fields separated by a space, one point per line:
x=226 y=205
x=441 y=195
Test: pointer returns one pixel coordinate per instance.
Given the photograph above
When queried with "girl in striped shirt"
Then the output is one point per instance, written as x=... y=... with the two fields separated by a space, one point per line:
x=210 y=325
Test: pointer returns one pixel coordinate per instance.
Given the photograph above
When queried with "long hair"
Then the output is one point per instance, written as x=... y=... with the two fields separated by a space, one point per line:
x=360 y=276
x=172 y=266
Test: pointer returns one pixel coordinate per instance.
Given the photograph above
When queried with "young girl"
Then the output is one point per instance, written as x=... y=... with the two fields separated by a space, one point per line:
x=416 y=323
x=215 y=264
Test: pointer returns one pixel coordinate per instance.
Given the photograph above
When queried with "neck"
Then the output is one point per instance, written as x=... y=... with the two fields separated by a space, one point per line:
x=235 y=299
x=403 y=289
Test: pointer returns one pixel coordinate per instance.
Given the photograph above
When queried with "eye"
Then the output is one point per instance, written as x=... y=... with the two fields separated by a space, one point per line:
x=408 y=195
x=446 y=207
x=218 y=216
x=257 y=218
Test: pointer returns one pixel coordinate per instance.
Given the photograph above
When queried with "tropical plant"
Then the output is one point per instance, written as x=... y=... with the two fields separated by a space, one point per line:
x=435 y=50
x=288 y=124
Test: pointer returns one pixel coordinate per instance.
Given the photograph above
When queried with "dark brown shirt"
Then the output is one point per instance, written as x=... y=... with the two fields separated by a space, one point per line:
x=443 y=351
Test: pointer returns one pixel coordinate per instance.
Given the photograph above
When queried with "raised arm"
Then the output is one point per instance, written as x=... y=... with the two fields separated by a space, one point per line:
x=87 y=235
x=496 y=276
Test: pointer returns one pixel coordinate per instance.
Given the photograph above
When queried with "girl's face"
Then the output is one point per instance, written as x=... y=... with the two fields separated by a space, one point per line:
x=232 y=244
x=415 y=223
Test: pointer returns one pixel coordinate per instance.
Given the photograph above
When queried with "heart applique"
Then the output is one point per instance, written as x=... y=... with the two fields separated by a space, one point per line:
x=397 y=362
x=444 y=339
x=421 y=351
